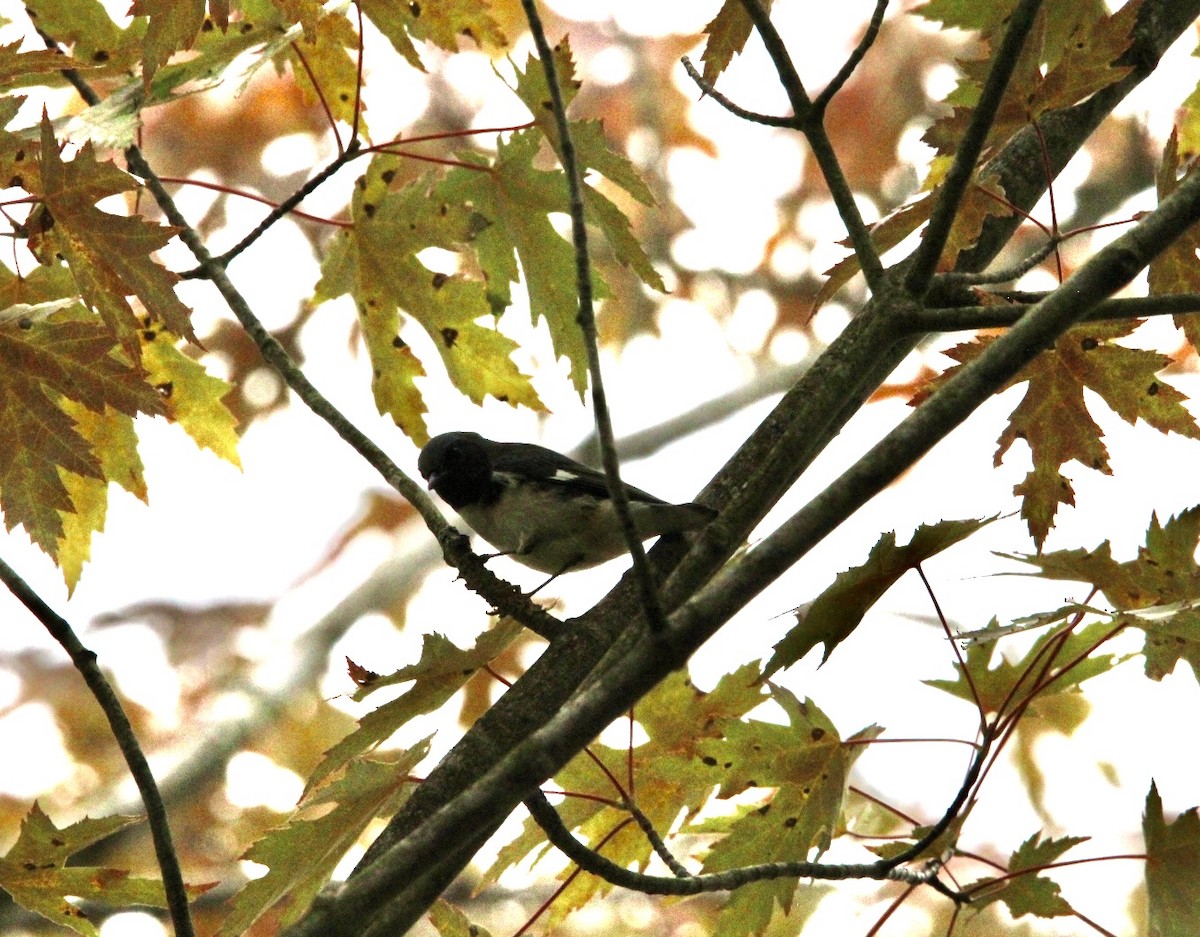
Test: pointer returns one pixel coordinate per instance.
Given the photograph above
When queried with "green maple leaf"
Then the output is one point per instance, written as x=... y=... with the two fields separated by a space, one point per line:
x=86 y=26
x=1164 y=576
x=807 y=764
x=67 y=355
x=836 y=612
x=440 y=23
x=437 y=676
x=303 y=853
x=36 y=876
x=1172 y=857
x=1006 y=684
x=172 y=27
x=671 y=773
x=375 y=261
x=1031 y=894
x=1053 y=418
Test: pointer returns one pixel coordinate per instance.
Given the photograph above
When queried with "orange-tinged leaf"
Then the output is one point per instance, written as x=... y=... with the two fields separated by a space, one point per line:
x=67 y=355
x=1086 y=65
x=109 y=255
x=326 y=53
x=1176 y=269
x=1053 y=419
x=727 y=34
x=1172 y=857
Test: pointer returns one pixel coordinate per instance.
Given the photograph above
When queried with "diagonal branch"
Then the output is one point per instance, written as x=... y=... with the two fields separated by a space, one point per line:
x=587 y=324
x=156 y=813
x=958 y=178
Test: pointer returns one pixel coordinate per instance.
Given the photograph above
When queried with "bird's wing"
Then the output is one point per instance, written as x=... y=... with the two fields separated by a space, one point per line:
x=553 y=468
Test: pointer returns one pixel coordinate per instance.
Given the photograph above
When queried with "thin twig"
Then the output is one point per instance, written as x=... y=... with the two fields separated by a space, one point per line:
x=156 y=814
x=1005 y=274
x=924 y=259
x=707 y=89
x=810 y=122
x=587 y=324
x=350 y=151
x=558 y=834
x=822 y=100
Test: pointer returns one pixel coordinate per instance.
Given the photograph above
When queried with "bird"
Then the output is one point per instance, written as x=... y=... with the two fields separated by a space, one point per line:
x=540 y=507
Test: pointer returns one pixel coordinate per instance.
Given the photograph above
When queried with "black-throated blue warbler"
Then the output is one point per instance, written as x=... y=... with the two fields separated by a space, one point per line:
x=540 y=507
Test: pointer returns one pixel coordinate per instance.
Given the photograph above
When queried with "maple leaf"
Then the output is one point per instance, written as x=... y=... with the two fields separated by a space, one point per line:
x=1172 y=857
x=807 y=764
x=1001 y=687
x=439 y=23
x=87 y=27
x=302 y=854
x=375 y=261
x=109 y=255
x=1175 y=269
x=836 y=612
x=71 y=355
x=672 y=777
x=1164 y=573
x=441 y=671
x=1052 y=417
x=111 y=436
x=1086 y=64
x=1031 y=894
x=173 y=27
x=35 y=873
x=727 y=34
x=191 y=396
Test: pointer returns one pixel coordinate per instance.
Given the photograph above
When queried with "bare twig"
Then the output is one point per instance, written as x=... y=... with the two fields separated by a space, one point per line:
x=85 y=662
x=709 y=90
x=587 y=324
x=822 y=100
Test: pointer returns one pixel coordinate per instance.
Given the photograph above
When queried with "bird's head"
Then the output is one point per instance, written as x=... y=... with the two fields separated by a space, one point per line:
x=457 y=466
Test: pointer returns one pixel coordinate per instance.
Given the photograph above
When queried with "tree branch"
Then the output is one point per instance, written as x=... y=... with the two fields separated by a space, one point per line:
x=85 y=662
x=587 y=324
x=924 y=259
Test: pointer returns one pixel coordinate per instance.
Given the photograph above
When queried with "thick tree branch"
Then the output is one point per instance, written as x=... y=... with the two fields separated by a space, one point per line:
x=1002 y=316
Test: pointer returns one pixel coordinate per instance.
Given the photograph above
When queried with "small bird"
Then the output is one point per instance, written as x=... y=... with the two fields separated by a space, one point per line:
x=540 y=507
